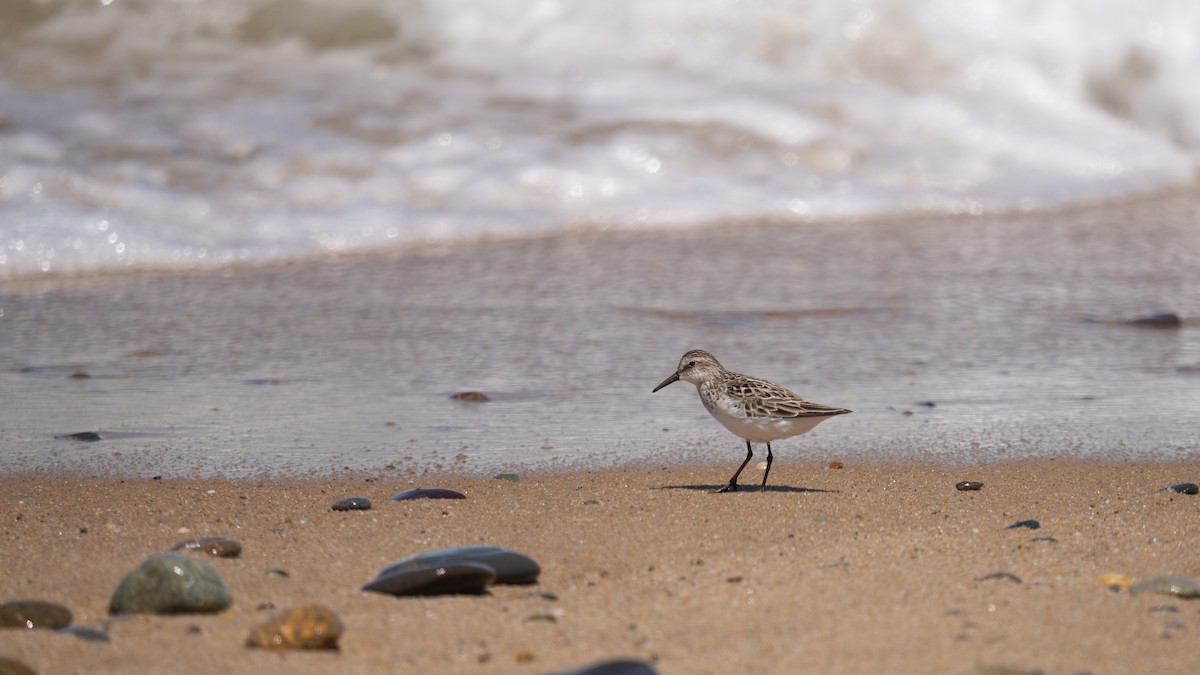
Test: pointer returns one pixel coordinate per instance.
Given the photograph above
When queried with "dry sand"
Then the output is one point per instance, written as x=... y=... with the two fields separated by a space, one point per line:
x=867 y=568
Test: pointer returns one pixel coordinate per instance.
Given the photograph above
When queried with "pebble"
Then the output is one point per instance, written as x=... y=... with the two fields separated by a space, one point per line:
x=471 y=396
x=1004 y=576
x=14 y=667
x=428 y=493
x=1160 y=320
x=614 y=667
x=1031 y=524
x=510 y=567
x=303 y=627
x=352 y=504
x=171 y=583
x=511 y=477
x=1111 y=580
x=218 y=547
x=33 y=614
x=85 y=633
x=85 y=436
x=433 y=579
x=1167 y=584
x=968 y=485
x=1185 y=488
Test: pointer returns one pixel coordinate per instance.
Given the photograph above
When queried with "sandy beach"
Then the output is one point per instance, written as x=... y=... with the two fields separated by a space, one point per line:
x=873 y=567
x=245 y=403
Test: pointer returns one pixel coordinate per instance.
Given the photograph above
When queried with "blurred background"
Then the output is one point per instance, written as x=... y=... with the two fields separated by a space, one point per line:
x=185 y=133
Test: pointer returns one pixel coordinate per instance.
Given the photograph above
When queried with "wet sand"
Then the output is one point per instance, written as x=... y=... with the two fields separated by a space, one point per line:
x=873 y=567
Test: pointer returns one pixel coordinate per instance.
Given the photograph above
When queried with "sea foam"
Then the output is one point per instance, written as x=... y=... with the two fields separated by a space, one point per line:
x=184 y=134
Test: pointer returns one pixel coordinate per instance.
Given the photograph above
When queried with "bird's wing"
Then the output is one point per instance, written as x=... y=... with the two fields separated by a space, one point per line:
x=761 y=398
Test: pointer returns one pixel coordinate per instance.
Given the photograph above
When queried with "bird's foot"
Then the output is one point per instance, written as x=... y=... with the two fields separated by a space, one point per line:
x=732 y=487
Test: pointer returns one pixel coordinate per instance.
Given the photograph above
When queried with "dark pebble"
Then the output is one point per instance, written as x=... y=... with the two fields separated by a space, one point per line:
x=461 y=577
x=428 y=493
x=218 y=547
x=510 y=567
x=927 y=404
x=352 y=504
x=33 y=614
x=80 y=375
x=303 y=627
x=614 y=667
x=1162 y=320
x=1003 y=576
x=85 y=436
x=968 y=485
x=471 y=396
x=171 y=583
x=1185 y=488
x=1031 y=524
x=85 y=633
x=1051 y=540
x=14 y=667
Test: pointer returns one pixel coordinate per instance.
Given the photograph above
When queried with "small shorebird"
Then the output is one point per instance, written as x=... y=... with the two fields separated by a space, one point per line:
x=753 y=409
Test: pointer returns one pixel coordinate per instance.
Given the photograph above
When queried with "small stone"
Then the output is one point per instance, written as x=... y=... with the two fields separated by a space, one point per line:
x=428 y=493
x=14 y=667
x=511 y=477
x=967 y=485
x=218 y=547
x=1185 y=488
x=303 y=627
x=510 y=567
x=433 y=579
x=171 y=583
x=614 y=667
x=33 y=614
x=352 y=504
x=836 y=465
x=471 y=396
x=85 y=436
x=85 y=633
x=1031 y=524
x=1001 y=576
x=1160 y=320
x=1167 y=584
x=1112 y=579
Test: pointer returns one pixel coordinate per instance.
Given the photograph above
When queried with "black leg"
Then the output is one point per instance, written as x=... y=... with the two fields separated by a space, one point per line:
x=732 y=487
x=766 y=473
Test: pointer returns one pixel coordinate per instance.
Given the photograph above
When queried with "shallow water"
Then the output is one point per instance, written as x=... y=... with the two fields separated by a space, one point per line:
x=1010 y=326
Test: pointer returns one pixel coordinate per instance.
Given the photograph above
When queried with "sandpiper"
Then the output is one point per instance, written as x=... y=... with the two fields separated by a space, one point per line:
x=753 y=409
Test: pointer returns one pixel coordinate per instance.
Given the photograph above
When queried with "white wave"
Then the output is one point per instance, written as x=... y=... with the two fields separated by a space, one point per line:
x=195 y=132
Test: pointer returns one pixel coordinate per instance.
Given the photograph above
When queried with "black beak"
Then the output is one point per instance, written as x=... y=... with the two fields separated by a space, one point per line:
x=669 y=380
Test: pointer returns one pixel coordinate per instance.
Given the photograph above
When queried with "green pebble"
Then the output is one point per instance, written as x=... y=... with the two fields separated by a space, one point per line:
x=171 y=583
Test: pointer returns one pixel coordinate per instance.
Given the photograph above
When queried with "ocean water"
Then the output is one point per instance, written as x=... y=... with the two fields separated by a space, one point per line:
x=187 y=134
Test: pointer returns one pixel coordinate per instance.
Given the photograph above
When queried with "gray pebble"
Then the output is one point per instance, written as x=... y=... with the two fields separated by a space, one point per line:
x=352 y=504
x=171 y=583
x=511 y=567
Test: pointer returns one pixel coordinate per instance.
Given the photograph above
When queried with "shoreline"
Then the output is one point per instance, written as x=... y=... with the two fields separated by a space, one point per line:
x=42 y=282
x=877 y=566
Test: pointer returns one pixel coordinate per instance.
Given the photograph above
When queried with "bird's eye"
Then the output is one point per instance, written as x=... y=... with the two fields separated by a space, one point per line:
x=691 y=364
